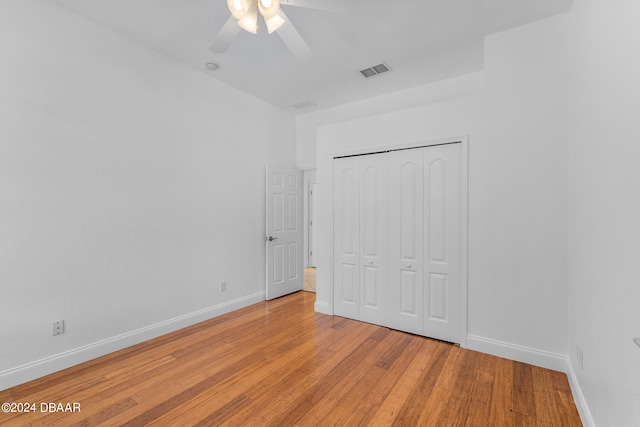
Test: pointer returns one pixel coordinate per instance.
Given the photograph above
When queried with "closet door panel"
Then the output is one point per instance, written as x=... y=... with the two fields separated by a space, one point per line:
x=406 y=306
x=442 y=204
x=373 y=237
x=346 y=238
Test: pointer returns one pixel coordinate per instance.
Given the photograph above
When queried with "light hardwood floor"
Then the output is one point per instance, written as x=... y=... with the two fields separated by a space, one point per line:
x=310 y=279
x=278 y=363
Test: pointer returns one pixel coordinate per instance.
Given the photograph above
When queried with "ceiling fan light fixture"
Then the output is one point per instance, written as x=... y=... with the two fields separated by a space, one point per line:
x=269 y=8
x=249 y=22
x=244 y=16
x=274 y=23
x=238 y=8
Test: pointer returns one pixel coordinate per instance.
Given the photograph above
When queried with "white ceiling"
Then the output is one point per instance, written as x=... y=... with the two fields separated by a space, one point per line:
x=421 y=40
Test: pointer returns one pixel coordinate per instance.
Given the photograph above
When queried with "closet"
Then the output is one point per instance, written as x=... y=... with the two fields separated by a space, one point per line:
x=397 y=239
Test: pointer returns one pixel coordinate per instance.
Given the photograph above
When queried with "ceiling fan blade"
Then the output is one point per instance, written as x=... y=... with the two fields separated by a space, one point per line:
x=226 y=35
x=329 y=5
x=294 y=41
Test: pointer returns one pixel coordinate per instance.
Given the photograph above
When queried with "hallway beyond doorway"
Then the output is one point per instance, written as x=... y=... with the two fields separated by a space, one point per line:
x=310 y=279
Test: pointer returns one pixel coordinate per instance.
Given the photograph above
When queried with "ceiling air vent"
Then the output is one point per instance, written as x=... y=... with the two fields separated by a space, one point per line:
x=304 y=104
x=375 y=70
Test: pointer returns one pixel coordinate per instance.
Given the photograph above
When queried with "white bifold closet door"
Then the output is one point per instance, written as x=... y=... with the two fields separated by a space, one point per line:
x=406 y=228
x=397 y=239
x=360 y=237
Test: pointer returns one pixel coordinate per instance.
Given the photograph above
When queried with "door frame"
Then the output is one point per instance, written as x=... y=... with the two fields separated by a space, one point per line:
x=464 y=221
x=311 y=230
x=309 y=177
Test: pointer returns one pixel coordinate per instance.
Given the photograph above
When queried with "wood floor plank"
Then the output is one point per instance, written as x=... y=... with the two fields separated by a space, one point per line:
x=378 y=394
x=544 y=396
x=243 y=384
x=328 y=411
x=325 y=385
x=567 y=414
x=276 y=397
x=359 y=394
x=106 y=414
x=352 y=389
x=249 y=359
x=147 y=382
x=395 y=401
x=362 y=414
x=501 y=407
x=481 y=393
x=524 y=402
x=279 y=363
x=438 y=403
x=412 y=408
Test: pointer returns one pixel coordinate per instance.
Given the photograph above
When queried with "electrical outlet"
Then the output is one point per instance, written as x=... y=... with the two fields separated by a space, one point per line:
x=580 y=356
x=58 y=327
x=223 y=287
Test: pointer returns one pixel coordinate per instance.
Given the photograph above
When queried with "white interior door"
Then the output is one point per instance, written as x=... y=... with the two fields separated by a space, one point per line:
x=442 y=244
x=284 y=232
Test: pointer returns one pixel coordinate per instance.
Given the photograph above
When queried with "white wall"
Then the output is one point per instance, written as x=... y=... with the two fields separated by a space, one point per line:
x=604 y=208
x=518 y=192
x=130 y=187
x=308 y=124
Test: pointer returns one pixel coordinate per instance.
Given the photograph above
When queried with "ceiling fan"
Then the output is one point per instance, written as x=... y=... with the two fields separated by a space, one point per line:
x=244 y=16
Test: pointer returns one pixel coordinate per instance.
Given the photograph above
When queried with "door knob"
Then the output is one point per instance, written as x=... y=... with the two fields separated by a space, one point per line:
x=371 y=262
x=271 y=238
x=408 y=265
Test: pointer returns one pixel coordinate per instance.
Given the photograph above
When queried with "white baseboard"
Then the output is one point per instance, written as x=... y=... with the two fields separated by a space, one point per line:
x=532 y=356
x=30 y=371
x=323 y=307
x=578 y=397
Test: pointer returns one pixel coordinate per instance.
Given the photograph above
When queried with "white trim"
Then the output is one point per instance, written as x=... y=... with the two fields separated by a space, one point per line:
x=578 y=397
x=399 y=146
x=531 y=356
x=30 y=371
x=464 y=239
x=323 y=307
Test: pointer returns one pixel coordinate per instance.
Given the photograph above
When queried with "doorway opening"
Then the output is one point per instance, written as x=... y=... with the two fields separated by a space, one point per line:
x=309 y=230
x=310 y=279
